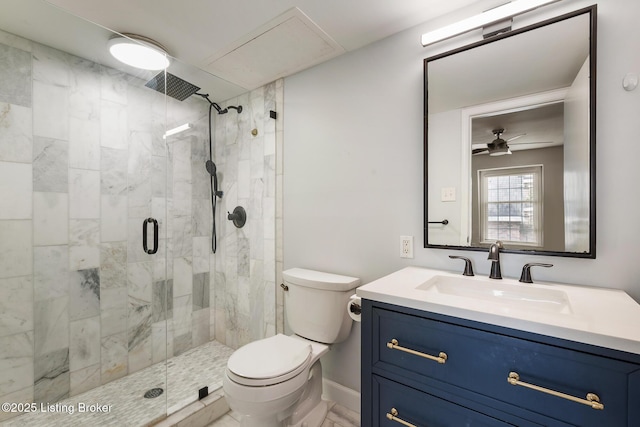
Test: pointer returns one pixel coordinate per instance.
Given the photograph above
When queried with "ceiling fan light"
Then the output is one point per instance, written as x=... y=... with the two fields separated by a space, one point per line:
x=139 y=52
x=499 y=147
x=500 y=151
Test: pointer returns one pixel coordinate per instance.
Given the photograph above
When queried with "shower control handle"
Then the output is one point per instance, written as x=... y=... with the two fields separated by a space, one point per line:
x=155 y=236
x=238 y=216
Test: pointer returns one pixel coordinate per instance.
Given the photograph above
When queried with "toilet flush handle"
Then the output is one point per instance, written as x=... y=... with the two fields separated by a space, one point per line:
x=284 y=287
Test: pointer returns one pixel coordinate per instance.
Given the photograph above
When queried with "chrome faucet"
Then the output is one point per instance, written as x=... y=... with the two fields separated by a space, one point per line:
x=494 y=256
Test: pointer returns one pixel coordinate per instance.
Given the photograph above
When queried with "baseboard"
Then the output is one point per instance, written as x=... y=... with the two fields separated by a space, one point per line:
x=340 y=394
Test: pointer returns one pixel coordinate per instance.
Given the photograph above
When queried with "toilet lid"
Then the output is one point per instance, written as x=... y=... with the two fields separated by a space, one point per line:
x=269 y=358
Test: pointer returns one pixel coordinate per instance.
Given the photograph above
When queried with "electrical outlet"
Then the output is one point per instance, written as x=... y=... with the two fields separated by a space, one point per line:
x=406 y=246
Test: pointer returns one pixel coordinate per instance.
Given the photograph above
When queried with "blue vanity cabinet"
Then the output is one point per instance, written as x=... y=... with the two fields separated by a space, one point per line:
x=400 y=403
x=450 y=368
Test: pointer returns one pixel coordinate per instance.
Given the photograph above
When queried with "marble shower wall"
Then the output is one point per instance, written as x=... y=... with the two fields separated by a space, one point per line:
x=248 y=262
x=82 y=163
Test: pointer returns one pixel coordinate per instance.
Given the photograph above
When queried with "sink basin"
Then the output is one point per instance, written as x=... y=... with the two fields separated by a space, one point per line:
x=513 y=296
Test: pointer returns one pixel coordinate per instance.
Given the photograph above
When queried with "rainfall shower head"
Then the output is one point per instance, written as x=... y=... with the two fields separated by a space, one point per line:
x=173 y=86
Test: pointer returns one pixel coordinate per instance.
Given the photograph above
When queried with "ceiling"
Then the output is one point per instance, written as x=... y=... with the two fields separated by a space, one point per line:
x=536 y=61
x=527 y=64
x=225 y=47
x=528 y=129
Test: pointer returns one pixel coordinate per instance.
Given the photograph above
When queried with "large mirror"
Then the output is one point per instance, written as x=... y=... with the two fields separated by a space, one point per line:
x=510 y=141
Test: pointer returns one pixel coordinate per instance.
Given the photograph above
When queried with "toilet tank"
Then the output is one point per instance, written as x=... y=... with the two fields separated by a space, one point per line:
x=316 y=304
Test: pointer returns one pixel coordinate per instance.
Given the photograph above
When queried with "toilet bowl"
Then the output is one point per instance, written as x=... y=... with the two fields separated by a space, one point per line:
x=277 y=381
x=273 y=379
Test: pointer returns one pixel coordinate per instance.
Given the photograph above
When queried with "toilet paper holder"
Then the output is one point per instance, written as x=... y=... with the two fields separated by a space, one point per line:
x=355 y=308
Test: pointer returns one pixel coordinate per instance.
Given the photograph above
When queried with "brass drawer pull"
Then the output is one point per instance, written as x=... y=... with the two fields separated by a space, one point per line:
x=592 y=399
x=442 y=357
x=393 y=416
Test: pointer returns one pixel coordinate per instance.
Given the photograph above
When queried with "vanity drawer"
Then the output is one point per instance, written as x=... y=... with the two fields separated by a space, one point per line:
x=397 y=403
x=481 y=362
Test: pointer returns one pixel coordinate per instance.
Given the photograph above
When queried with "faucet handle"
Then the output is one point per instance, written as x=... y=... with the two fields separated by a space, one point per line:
x=468 y=268
x=525 y=277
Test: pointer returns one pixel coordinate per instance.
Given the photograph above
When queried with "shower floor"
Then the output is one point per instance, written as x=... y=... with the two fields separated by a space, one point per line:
x=186 y=374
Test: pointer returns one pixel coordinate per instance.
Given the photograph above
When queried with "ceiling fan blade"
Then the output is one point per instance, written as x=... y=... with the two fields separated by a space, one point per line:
x=516 y=137
x=479 y=150
x=534 y=142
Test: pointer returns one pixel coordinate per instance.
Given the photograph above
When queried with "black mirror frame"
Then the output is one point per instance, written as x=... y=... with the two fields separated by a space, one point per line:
x=592 y=11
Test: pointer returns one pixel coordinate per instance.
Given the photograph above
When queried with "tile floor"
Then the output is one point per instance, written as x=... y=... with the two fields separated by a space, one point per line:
x=338 y=416
x=185 y=374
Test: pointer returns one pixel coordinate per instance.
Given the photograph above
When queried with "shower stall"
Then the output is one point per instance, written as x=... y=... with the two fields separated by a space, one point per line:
x=110 y=294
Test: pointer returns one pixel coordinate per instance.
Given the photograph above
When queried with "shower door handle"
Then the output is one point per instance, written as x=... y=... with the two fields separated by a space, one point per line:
x=155 y=236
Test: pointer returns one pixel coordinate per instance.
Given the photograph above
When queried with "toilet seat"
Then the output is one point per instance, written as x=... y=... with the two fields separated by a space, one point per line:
x=269 y=361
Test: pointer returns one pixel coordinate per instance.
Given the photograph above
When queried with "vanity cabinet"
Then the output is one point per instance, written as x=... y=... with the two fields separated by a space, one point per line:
x=427 y=369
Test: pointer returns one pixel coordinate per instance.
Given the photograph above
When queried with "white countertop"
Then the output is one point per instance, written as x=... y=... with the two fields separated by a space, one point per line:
x=607 y=318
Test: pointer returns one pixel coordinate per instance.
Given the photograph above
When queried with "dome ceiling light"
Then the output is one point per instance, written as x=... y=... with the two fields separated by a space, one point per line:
x=138 y=51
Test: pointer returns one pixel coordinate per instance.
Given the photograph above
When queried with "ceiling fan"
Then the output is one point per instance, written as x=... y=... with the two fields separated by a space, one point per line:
x=498 y=146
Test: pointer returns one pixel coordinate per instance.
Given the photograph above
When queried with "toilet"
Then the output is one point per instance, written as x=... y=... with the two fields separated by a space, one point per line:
x=277 y=381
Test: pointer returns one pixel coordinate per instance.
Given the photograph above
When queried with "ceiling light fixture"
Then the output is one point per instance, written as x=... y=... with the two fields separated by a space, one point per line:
x=498 y=147
x=500 y=150
x=491 y=16
x=138 y=51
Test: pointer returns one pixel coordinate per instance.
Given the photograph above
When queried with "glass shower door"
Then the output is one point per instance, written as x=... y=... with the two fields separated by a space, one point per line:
x=83 y=166
x=188 y=234
x=106 y=268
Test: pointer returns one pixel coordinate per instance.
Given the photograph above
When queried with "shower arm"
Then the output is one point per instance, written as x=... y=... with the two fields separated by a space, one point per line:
x=217 y=107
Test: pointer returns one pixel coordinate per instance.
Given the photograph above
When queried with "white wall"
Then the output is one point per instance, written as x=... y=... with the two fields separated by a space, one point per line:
x=445 y=171
x=353 y=174
x=576 y=161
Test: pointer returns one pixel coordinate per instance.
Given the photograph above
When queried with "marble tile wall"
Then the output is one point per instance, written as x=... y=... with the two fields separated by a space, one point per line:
x=243 y=300
x=82 y=164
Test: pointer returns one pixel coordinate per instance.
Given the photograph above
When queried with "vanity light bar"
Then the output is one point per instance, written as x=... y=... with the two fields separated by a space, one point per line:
x=491 y=16
x=175 y=130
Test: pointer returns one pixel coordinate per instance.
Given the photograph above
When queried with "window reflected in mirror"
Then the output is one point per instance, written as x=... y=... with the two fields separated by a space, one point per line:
x=510 y=202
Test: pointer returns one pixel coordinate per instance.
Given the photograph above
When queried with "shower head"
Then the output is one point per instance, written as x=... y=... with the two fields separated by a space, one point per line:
x=219 y=109
x=173 y=86
x=211 y=168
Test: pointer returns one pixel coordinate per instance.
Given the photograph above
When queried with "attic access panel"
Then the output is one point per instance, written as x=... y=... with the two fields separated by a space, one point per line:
x=283 y=46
